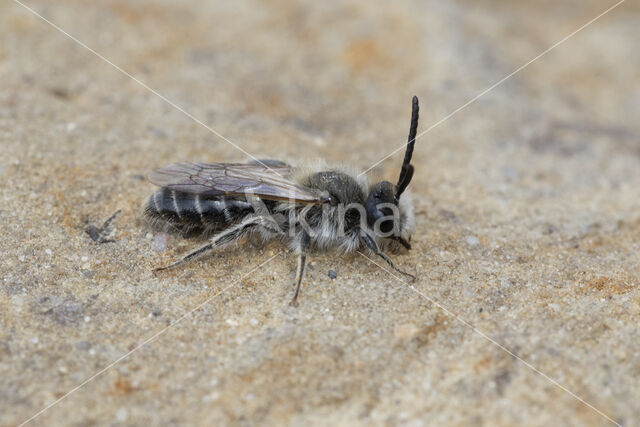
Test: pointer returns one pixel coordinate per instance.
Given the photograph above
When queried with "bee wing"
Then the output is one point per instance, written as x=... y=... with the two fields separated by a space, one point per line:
x=234 y=179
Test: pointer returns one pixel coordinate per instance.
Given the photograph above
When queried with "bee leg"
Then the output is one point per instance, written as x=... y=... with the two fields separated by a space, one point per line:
x=371 y=244
x=302 y=258
x=187 y=258
x=220 y=239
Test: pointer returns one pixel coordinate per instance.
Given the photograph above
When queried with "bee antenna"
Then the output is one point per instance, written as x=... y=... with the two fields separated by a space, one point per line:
x=406 y=173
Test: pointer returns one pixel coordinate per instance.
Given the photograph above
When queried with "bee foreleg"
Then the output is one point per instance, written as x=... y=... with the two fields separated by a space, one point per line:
x=225 y=237
x=373 y=247
x=302 y=258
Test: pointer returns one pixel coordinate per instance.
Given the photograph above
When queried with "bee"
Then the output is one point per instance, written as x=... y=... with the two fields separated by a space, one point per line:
x=315 y=207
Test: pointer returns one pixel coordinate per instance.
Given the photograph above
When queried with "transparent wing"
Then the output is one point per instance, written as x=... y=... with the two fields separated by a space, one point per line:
x=234 y=179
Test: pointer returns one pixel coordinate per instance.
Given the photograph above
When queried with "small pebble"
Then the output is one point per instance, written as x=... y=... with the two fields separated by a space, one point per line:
x=82 y=345
x=211 y=397
x=472 y=240
x=405 y=332
x=505 y=282
x=121 y=415
x=333 y=274
x=620 y=354
x=160 y=241
x=509 y=172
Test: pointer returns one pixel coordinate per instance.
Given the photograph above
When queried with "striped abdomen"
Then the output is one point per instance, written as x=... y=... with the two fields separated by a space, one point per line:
x=193 y=214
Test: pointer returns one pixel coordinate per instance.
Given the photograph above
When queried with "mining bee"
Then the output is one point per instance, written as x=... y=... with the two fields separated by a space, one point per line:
x=313 y=207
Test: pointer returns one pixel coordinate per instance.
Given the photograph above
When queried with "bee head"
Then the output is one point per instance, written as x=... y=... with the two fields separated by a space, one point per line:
x=384 y=213
x=379 y=206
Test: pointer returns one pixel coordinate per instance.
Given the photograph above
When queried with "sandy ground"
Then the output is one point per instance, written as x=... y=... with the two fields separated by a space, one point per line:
x=527 y=207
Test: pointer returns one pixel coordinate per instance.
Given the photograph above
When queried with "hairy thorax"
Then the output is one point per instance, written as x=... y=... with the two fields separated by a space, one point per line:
x=328 y=224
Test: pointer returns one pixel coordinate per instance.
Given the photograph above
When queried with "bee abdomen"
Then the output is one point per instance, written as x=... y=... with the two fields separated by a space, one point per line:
x=193 y=214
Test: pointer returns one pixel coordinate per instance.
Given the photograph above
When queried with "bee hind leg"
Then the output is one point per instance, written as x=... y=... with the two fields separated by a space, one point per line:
x=223 y=238
x=302 y=258
x=187 y=258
